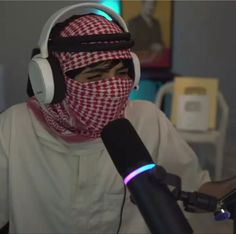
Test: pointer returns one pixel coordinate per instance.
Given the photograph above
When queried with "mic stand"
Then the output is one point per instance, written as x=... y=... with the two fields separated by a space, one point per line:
x=193 y=201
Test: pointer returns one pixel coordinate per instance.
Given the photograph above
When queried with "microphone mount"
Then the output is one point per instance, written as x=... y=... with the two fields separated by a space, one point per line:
x=194 y=201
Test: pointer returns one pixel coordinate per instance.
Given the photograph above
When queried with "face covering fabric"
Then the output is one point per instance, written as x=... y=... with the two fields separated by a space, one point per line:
x=87 y=108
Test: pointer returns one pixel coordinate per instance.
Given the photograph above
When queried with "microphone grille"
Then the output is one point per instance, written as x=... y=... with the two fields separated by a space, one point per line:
x=125 y=147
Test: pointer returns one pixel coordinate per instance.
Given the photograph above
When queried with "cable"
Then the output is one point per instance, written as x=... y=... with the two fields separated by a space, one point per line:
x=121 y=210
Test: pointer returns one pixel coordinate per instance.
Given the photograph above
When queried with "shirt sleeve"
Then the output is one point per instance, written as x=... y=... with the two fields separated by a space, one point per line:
x=178 y=157
x=4 y=214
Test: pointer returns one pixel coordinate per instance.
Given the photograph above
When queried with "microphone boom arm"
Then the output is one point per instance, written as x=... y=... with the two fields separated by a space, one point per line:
x=193 y=201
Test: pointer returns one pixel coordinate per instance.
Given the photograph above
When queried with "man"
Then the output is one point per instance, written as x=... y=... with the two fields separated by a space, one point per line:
x=146 y=31
x=55 y=173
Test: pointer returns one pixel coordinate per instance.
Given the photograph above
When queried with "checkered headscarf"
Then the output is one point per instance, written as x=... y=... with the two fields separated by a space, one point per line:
x=89 y=25
x=85 y=110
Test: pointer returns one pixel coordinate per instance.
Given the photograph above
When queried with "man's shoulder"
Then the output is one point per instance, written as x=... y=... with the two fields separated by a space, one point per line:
x=15 y=112
x=145 y=113
x=141 y=104
x=141 y=109
x=14 y=109
x=13 y=121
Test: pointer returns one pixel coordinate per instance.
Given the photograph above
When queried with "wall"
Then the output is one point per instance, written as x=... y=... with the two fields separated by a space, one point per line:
x=20 y=24
x=2 y=91
x=204 y=44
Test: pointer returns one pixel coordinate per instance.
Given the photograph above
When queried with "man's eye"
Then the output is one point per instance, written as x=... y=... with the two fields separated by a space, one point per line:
x=97 y=76
x=123 y=73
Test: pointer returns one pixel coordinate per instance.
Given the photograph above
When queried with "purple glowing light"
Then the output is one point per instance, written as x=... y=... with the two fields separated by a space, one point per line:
x=138 y=171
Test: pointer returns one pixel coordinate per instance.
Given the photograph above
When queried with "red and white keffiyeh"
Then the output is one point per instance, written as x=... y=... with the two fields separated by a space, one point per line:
x=87 y=107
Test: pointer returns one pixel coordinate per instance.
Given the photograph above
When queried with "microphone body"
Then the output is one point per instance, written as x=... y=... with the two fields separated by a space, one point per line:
x=154 y=200
x=157 y=206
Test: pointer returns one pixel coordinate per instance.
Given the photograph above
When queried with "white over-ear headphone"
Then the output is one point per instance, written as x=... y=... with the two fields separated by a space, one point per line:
x=41 y=73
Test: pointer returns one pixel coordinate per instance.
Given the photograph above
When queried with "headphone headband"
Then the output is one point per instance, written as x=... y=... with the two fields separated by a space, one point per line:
x=44 y=37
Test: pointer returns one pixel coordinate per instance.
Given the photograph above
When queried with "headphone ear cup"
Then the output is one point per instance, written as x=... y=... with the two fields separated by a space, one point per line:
x=29 y=89
x=137 y=71
x=41 y=79
x=58 y=78
x=47 y=79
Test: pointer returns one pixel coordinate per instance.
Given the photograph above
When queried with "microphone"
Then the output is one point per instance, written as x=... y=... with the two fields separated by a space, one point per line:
x=155 y=202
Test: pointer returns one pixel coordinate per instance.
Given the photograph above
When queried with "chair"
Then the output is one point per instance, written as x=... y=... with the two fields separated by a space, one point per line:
x=215 y=137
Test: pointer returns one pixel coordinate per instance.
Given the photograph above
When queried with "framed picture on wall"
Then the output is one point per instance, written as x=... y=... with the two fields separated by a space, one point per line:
x=150 y=25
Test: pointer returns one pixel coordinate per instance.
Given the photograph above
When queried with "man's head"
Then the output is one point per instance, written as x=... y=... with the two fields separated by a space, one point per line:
x=148 y=7
x=79 y=35
x=91 y=57
x=98 y=77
